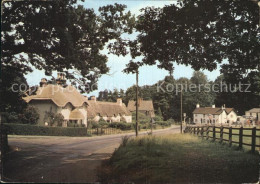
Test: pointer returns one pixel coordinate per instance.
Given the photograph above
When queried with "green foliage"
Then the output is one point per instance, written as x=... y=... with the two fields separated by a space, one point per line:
x=141 y=117
x=23 y=129
x=157 y=118
x=53 y=119
x=70 y=124
x=30 y=115
x=59 y=36
x=159 y=112
x=103 y=123
x=163 y=123
x=10 y=117
x=121 y=125
x=93 y=124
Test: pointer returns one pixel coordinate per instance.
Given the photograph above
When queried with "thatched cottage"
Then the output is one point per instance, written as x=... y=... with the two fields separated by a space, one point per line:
x=109 y=111
x=74 y=107
x=144 y=106
x=57 y=99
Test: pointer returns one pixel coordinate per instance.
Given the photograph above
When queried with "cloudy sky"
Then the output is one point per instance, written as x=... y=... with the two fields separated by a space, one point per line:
x=116 y=78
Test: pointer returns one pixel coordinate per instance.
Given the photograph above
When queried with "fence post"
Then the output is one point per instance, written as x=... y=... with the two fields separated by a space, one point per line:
x=214 y=133
x=230 y=136
x=240 y=137
x=221 y=134
x=207 y=132
x=253 y=139
x=198 y=130
x=202 y=131
x=194 y=130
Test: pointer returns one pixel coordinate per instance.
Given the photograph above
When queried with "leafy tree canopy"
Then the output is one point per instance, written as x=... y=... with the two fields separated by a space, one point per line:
x=201 y=34
x=61 y=35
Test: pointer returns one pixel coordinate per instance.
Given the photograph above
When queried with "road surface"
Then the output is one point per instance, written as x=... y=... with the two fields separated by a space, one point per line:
x=61 y=159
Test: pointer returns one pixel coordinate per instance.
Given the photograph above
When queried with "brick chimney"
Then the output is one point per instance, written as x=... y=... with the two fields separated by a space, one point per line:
x=43 y=82
x=213 y=106
x=61 y=78
x=119 y=101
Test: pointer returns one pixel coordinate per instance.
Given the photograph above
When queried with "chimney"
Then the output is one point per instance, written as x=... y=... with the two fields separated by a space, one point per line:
x=93 y=98
x=61 y=78
x=223 y=107
x=119 y=101
x=198 y=106
x=43 y=82
x=213 y=106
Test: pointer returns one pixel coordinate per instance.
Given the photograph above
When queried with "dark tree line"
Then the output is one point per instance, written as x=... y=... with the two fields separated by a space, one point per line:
x=196 y=90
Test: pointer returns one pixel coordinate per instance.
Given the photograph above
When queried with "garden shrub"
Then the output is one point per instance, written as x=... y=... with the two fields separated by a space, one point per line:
x=30 y=115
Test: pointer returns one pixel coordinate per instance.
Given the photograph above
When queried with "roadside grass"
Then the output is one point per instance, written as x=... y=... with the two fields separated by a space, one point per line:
x=247 y=140
x=178 y=158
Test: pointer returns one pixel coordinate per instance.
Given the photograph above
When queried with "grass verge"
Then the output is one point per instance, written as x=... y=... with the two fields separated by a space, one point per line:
x=178 y=159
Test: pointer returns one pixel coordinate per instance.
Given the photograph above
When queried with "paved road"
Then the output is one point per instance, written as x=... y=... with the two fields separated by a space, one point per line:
x=61 y=159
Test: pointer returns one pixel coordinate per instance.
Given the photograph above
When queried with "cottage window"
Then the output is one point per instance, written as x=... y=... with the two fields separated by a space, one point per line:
x=203 y=115
x=196 y=115
x=213 y=116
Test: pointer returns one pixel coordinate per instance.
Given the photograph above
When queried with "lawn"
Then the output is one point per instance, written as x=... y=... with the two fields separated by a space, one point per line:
x=247 y=140
x=178 y=159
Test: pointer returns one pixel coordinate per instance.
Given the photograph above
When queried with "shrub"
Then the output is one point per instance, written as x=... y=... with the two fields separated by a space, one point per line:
x=53 y=119
x=157 y=118
x=10 y=117
x=141 y=117
x=103 y=123
x=121 y=125
x=171 y=121
x=163 y=123
x=30 y=115
x=23 y=129
x=93 y=124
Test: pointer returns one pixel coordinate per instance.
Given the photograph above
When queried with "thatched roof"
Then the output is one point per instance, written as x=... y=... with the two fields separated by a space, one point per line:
x=76 y=115
x=59 y=95
x=144 y=105
x=210 y=110
x=108 y=109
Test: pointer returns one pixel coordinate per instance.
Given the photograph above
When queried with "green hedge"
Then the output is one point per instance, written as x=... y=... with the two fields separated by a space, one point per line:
x=163 y=123
x=23 y=129
x=121 y=125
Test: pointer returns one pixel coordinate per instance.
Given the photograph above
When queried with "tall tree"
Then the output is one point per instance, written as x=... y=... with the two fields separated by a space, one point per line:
x=201 y=34
x=63 y=36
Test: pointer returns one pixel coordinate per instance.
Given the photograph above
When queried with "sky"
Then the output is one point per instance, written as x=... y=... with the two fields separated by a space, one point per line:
x=148 y=75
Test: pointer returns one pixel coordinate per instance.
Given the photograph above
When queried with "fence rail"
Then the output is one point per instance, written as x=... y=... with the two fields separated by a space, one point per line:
x=234 y=135
x=107 y=131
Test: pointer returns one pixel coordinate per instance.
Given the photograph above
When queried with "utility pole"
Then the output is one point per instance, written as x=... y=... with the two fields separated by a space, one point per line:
x=137 y=104
x=181 y=109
